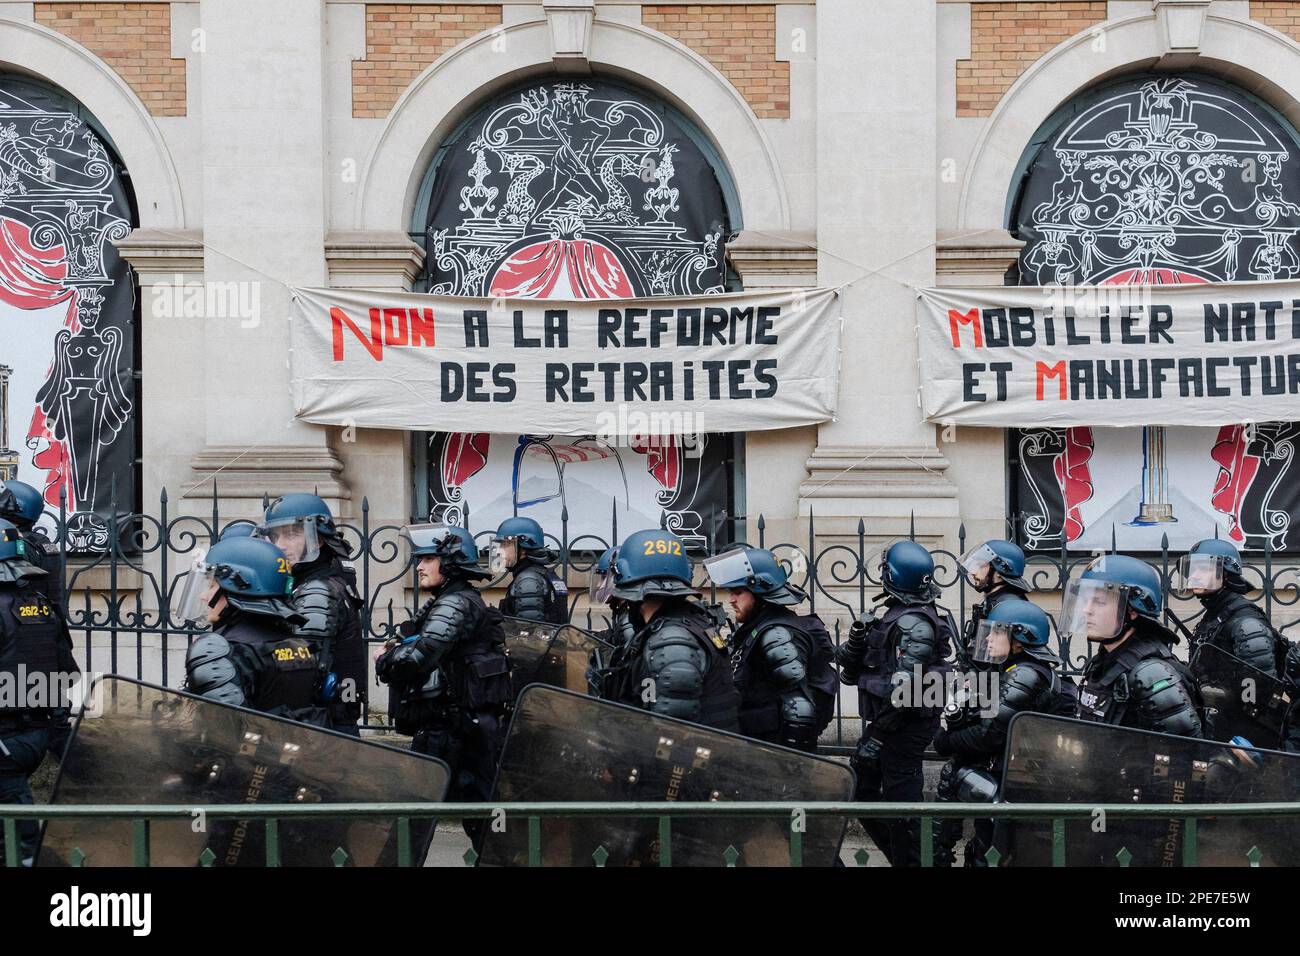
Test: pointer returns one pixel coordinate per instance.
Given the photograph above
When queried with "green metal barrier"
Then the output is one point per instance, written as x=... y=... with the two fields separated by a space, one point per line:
x=533 y=813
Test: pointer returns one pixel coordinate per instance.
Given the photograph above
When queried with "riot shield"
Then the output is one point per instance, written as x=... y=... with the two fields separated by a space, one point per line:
x=1240 y=700
x=149 y=745
x=1059 y=760
x=553 y=654
x=566 y=747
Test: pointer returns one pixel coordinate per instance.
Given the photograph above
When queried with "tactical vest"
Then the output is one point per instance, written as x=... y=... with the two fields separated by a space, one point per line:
x=880 y=653
x=286 y=669
x=32 y=642
x=476 y=668
x=1104 y=693
x=760 y=702
x=1210 y=629
x=349 y=642
x=557 y=595
x=718 y=699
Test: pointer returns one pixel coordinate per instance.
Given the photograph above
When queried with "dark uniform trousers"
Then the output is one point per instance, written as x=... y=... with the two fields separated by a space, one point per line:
x=22 y=752
x=901 y=779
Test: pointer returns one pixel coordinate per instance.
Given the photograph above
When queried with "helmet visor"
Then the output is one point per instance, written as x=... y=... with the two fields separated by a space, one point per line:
x=601 y=588
x=424 y=539
x=191 y=592
x=992 y=643
x=977 y=565
x=1198 y=574
x=730 y=570
x=296 y=537
x=1093 y=610
x=503 y=554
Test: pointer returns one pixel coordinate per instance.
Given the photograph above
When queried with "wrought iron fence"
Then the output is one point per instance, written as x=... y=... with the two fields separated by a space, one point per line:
x=118 y=595
x=794 y=814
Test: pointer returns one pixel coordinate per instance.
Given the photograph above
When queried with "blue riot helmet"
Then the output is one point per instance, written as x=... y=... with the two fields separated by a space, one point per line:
x=253 y=575
x=652 y=564
x=517 y=538
x=453 y=544
x=1003 y=557
x=755 y=570
x=1096 y=605
x=1010 y=620
x=20 y=503
x=1207 y=568
x=907 y=573
x=239 y=529
x=301 y=525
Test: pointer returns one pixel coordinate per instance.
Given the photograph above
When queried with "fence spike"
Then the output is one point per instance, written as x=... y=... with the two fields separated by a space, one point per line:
x=1114 y=546
x=911 y=527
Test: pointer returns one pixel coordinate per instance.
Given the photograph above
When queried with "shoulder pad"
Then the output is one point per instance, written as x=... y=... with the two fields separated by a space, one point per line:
x=917 y=625
x=316 y=601
x=1022 y=683
x=211 y=672
x=451 y=619
x=1151 y=671
x=530 y=580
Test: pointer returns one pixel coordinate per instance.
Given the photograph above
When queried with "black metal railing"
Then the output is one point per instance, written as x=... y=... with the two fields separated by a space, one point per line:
x=119 y=590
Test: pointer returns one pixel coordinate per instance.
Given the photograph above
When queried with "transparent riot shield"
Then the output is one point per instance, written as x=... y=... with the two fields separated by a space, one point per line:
x=1240 y=700
x=149 y=745
x=553 y=654
x=566 y=747
x=1059 y=760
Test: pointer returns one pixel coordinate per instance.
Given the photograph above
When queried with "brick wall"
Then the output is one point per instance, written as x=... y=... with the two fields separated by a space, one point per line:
x=132 y=38
x=740 y=40
x=1281 y=15
x=1006 y=38
x=402 y=39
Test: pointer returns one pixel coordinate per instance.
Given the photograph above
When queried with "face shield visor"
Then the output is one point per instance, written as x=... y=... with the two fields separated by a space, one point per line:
x=730 y=570
x=189 y=606
x=1093 y=610
x=1198 y=574
x=503 y=554
x=298 y=538
x=977 y=565
x=992 y=644
x=601 y=588
x=423 y=540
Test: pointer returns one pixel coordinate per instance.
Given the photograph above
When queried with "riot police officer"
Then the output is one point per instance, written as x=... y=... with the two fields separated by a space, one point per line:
x=619 y=629
x=1012 y=644
x=536 y=593
x=35 y=649
x=253 y=658
x=23 y=505
x=1133 y=679
x=781 y=662
x=882 y=657
x=449 y=677
x=325 y=594
x=1211 y=571
x=996 y=569
x=675 y=663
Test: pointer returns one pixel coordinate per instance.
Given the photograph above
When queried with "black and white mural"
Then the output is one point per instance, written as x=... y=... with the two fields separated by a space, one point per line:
x=578 y=190
x=1154 y=180
x=67 y=310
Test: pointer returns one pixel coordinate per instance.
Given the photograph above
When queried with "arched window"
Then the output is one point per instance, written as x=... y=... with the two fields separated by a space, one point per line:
x=1158 y=179
x=68 y=318
x=566 y=189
